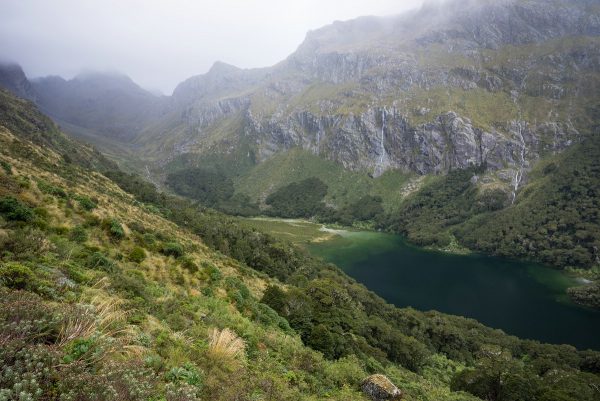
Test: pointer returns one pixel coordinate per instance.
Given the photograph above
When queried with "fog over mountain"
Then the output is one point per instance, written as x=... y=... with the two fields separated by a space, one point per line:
x=159 y=44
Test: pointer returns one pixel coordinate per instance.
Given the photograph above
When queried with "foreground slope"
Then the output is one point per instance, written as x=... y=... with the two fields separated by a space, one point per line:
x=113 y=295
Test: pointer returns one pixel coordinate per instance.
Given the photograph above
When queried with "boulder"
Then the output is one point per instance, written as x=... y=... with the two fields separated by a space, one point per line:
x=380 y=388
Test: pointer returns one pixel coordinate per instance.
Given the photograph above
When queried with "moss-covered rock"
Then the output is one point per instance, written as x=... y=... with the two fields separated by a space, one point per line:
x=380 y=388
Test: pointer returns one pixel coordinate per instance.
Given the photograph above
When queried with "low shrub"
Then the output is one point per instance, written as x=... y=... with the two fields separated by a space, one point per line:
x=98 y=261
x=13 y=209
x=172 y=249
x=137 y=255
x=6 y=167
x=78 y=234
x=114 y=228
x=50 y=189
x=85 y=202
x=16 y=276
x=188 y=264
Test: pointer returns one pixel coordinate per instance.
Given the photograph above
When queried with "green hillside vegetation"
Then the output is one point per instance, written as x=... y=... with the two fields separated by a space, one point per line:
x=302 y=199
x=110 y=295
x=343 y=186
x=554 y=219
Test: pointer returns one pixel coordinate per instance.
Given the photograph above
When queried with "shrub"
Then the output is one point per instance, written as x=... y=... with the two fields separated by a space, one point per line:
x=50 y=189
x=172 y=249
x=6 y=166
x=137 y=254
x=117 y=381
x=114 y=228
x=16 y=276
x=25 y=243
x=85 y=202
x=21 y=277
x=188 y=264
x=98 y=261
x=78 y=234
x=149 y=239
x=12 y=209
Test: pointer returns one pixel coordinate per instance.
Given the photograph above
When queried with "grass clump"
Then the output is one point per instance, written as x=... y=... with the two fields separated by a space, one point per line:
x=174 y=249
x=137 y=255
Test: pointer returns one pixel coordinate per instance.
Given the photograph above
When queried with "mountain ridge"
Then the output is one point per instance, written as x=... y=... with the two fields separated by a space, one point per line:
x=489 y=88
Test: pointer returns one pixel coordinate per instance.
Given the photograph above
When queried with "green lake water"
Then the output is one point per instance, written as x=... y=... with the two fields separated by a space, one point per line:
x=521 y=298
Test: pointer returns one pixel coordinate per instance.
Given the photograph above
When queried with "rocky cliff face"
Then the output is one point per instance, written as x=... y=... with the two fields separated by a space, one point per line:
x=452 y=85
x=449 y=86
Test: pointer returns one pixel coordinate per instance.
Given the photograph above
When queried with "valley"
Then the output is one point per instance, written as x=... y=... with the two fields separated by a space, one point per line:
x=523 y=299
x=409 y=200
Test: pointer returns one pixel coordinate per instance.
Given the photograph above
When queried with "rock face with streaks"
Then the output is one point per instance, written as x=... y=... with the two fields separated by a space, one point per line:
x=496 y=84
x=451 y=85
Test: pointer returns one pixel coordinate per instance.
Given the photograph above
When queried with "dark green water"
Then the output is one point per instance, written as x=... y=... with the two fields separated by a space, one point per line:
x=520 y=298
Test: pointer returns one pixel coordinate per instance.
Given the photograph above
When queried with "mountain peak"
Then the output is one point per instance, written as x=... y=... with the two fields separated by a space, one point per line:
x=14 y=80
x=222 y=68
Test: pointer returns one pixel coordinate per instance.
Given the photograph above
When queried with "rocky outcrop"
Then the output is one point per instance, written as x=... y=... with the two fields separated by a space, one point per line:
x=13 y=79
x=382 y=138
x=380 y=388
x=383 y=64
x=452 y=85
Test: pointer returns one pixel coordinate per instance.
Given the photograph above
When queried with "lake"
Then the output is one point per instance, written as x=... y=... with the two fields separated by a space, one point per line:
x=521 y=298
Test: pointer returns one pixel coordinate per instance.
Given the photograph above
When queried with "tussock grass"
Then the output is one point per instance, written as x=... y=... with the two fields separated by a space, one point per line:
x=225 y=345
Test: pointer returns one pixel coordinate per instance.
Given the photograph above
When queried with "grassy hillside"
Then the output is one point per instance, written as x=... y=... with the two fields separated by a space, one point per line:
x=110 y=295
x=343 y=186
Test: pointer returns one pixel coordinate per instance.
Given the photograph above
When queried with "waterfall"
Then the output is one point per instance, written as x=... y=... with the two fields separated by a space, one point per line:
x=519 y=173
x=382 y=138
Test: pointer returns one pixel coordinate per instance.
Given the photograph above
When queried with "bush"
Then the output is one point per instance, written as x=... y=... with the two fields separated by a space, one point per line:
x=25 y=243
x=85 y=202
x=78 y=234
x=172 y=249
x=114 y=228
x=188 y=264
x=50 y=189
x=16 y=276
x=6 y=166
x=137 y=254
x=12 y=209
x=98 y=261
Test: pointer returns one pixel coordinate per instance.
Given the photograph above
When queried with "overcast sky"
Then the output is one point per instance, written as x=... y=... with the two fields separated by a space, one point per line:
x=160 y=43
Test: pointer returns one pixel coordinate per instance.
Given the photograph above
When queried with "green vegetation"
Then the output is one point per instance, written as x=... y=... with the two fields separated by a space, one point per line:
x=302 y=199
x=85 y=202
x=344 y=187
x=12 y=209
x=206 y=186
x=588 y=295
x=555 y=219
x=215 y=310
x=295 y=231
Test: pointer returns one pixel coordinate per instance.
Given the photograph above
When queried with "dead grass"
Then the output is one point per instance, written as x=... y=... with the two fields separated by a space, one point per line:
x=225 y=346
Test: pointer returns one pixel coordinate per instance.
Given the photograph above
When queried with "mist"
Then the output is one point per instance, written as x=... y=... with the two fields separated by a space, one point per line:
x=159 y=44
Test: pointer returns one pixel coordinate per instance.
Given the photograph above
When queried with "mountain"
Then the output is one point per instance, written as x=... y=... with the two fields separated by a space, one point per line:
x=110 y=104
x=474 y=97
x=111 y=290
x=424 y=92
x=13 y=79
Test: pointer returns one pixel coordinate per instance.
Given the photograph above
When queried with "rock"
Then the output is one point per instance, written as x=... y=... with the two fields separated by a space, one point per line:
x=380 y=388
